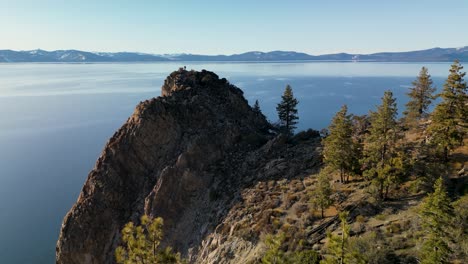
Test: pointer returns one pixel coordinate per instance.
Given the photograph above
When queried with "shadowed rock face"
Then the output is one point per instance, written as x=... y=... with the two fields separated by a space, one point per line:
x=160 y=162
x=188 y=157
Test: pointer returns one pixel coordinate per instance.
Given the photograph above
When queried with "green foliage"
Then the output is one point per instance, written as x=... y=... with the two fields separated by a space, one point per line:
x=287 y=111
x=460 y=231
x=320 y=196
x=142 y=244
x=371 y=249
x=383 y=162
x=428 y=168
x=421 y=96
x=339 y=149
x=274 y=254
x=436 y=212
x=450 y=117
x=303 y=257
x=338 y=250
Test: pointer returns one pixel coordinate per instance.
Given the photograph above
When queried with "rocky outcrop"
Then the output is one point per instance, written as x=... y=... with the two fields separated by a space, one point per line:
x=187 y=156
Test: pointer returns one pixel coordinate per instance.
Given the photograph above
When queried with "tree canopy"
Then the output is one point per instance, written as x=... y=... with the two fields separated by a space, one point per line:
x=435 y=214
x=450 y=117
x=339 y=149
x=382 y=161
x=421 y=96
x=287 y=111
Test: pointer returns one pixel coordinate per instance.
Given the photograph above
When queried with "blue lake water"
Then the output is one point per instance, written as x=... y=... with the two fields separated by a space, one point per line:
x=56 y=118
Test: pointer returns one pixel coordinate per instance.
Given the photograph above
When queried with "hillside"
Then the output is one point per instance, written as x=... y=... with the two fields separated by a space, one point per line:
x=222 y=179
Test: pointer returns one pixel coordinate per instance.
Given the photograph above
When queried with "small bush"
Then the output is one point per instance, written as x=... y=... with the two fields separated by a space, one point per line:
x=360 y=219
x=394 y=228
x=381 y=217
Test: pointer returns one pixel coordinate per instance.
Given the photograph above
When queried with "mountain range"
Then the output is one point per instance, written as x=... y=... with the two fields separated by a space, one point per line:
x=71 y=56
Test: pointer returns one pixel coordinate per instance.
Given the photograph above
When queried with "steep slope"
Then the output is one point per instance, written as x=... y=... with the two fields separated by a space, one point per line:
x=185 y=156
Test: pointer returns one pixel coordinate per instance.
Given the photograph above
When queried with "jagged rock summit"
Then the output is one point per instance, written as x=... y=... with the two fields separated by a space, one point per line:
x=185 y=156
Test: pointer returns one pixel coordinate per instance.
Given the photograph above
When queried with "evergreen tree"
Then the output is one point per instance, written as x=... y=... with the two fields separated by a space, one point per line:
x=287 y=111
x=436 y=212
x=338 y=147
x=274 y=254
x=460 y=230
x=338 y=244
x=142 y=244
x=421 y=96
x=383 y=163
x=320 y=197
x=256 y=107
x=450 y=117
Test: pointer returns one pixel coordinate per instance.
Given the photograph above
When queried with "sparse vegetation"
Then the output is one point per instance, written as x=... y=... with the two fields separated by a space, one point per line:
x=313 y=218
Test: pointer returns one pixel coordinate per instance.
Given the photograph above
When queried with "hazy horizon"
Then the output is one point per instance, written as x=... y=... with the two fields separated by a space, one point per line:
x=228 y=54
x=212 y=27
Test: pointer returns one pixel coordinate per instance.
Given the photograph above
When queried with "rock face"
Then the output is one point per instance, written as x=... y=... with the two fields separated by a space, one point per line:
x=187 y=157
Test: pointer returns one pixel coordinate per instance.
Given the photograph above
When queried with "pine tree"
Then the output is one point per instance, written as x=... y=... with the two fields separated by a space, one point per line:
x=256 y=107
x=450 y=117
x=338 y=147
x=460 y=230
x=435 y=214
x=274 y=254
x=337 y=247
x=142 y=244
x=382 y=161
x=421 y=96
x=287 y=111
x=320 y=197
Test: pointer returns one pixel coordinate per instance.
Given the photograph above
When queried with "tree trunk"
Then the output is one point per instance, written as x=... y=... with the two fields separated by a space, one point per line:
x=446 y=154
x=381 y=190
x=342 y=247
x=341 y=175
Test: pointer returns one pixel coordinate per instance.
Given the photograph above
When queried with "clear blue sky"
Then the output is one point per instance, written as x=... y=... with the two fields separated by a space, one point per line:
x=233 y=26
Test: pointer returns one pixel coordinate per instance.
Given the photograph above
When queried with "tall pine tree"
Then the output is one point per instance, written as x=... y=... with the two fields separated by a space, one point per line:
x=287 y=111
x=382 y=161
x=421 y=96
x=435 y=214
x=320 y=196
x=338 y=245
x=450 y=117
x=338 y=147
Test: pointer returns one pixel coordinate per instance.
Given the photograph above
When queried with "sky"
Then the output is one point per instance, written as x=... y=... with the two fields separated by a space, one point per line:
x=233 y=26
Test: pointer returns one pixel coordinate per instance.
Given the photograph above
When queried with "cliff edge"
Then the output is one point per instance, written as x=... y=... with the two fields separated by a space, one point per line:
x=188 y=156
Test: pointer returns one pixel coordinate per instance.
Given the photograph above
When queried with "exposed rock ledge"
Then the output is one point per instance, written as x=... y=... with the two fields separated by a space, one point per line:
x=186 y=156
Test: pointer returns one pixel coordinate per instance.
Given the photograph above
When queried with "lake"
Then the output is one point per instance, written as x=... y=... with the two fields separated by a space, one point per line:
x=56 y=118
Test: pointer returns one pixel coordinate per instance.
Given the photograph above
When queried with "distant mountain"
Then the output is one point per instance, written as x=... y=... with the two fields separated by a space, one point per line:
x=430 y=55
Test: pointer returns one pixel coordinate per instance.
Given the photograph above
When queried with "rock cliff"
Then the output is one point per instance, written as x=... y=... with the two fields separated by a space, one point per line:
x=192 y=156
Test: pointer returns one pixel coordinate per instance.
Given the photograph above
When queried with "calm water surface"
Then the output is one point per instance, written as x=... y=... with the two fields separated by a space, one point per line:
x=56 y=118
